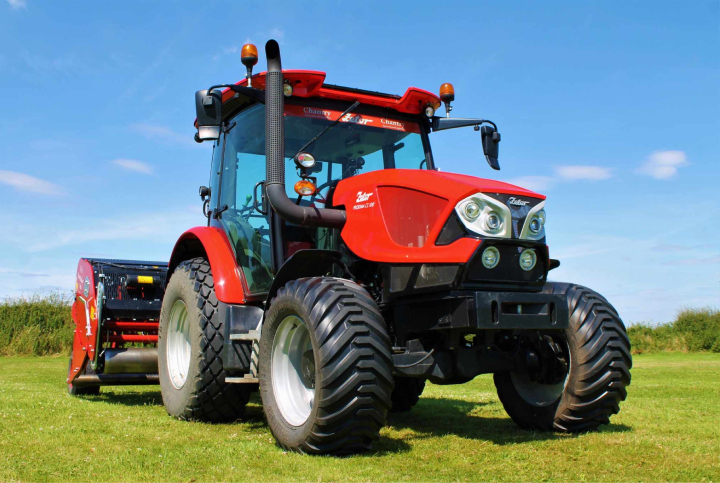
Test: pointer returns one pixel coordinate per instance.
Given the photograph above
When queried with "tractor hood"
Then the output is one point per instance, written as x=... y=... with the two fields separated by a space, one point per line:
x=397 y=215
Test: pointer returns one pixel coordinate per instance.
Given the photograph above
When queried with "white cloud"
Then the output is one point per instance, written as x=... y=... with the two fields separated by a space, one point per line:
x=134 y=165
x=158 y=227
x=663 y=164
x=595 y=173
x=17 y=4
x=31 y=184
x=534 y=183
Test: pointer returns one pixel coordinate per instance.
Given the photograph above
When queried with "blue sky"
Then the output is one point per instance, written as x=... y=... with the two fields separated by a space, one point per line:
x=611 y=109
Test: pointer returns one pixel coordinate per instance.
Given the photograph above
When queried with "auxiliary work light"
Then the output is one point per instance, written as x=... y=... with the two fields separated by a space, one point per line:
x=490 y=257
x=528 y=259
x=305 y=160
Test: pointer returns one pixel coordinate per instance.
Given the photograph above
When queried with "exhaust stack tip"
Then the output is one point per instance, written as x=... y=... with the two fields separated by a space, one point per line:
x=272 y=54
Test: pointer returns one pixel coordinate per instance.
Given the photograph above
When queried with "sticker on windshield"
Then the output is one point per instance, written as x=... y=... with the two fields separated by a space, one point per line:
x=351 y=118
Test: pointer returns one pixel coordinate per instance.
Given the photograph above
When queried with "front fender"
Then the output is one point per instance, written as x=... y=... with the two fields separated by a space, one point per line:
x=212 y=243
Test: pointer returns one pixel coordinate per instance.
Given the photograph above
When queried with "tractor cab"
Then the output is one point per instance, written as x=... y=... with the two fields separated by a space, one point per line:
x=366 y=139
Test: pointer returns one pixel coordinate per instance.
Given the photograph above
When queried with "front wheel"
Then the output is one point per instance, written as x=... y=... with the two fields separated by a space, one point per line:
x=589 y=369
x=325 y=367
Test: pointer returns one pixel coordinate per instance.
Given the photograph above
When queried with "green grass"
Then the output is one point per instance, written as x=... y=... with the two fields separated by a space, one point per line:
x=667 y=431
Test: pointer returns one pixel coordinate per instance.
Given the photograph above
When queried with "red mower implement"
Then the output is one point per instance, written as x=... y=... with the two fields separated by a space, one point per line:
x=338 y=270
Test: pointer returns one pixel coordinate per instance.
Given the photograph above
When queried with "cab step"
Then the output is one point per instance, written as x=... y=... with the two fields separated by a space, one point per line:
x=246 y=379
x=250 y=335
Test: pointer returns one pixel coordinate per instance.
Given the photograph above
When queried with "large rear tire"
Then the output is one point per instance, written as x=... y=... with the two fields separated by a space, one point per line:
x=325 y=367
x=598 y=350
x=191 y=338
x=406 y=393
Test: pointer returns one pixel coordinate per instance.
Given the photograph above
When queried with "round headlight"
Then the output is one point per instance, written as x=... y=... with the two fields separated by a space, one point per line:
x=537 y=222
x=493 y=221
x=429 y=111
x=535 y=225
x=472 y=210
x=528 y=259
x=305 y=160
x=490 y=257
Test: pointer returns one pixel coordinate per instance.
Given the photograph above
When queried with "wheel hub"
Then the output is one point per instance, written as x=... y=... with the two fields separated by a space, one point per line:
x=543 y=378
x=178 y=345
x=293 y=370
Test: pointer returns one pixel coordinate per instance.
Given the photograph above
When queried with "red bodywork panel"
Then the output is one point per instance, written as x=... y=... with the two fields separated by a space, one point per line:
x=395 y=215
x=84 y=314
x=230 y=285
x=309 y=83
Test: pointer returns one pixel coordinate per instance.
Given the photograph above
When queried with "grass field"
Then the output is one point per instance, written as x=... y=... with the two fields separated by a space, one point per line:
x=668 y=429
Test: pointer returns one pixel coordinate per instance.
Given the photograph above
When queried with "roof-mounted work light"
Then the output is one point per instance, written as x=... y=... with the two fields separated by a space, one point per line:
x=249 y=57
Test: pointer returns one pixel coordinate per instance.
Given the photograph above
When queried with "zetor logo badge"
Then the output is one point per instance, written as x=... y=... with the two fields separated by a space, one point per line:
x=363 y=197
x=517 y=201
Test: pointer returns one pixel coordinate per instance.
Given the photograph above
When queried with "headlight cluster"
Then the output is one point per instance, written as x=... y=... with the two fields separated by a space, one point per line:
x=491 y=220
x=484 y=215
x=488 y=216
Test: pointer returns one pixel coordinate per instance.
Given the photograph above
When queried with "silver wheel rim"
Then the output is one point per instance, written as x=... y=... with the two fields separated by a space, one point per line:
x=178 y=344
x=538 y=394
x=294 y=394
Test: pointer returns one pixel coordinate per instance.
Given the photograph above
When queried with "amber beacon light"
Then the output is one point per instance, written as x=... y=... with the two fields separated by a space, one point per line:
x=249 y=57
x=447 y=95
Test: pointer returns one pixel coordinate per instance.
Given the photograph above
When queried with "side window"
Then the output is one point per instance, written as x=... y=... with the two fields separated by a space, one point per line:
x=243 y=167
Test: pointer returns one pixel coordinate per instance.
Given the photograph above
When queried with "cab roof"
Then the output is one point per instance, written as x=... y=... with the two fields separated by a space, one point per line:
x=310 y=83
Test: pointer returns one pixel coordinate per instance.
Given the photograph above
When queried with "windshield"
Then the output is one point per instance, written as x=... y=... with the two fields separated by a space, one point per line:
x=360 y=143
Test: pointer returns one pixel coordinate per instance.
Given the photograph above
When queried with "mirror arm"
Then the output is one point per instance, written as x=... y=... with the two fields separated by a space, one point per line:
x=443 y=123
x=251 y=92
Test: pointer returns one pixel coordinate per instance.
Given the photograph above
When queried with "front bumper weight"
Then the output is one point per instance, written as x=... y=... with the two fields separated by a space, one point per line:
x=514 y=310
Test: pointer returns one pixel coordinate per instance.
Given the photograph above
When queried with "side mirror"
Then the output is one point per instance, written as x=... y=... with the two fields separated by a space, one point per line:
x=208 y=107
x=490 y=143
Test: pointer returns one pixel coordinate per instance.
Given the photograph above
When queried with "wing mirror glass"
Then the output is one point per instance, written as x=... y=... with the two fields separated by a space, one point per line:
x=208 y=108
x=491 y=144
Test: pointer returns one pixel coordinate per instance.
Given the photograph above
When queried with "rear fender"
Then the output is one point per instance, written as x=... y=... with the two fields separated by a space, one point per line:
x=212 y=243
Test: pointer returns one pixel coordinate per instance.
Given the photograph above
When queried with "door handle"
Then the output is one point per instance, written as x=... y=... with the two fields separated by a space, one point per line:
x=262 y=198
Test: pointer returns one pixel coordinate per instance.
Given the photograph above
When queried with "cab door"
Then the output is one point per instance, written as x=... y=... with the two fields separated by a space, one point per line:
x=237 y=171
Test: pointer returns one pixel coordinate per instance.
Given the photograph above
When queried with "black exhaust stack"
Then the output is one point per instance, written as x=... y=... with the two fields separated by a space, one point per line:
x=275 y=152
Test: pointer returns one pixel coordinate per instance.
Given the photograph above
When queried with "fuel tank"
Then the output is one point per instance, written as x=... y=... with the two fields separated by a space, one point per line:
x=397 y=215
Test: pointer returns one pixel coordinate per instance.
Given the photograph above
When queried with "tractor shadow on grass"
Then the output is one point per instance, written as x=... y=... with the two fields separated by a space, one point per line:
x=436 y=417
x=430 y=418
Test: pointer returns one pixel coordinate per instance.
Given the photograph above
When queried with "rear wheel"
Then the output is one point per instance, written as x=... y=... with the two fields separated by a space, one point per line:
x=406 y=393
x=584 y=373
x=325 y=367
x=191 y=338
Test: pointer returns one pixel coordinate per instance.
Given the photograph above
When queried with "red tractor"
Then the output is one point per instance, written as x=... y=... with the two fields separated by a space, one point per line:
x=339 y=293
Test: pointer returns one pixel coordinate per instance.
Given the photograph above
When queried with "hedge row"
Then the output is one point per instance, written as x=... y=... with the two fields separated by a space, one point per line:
x=43 y=325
